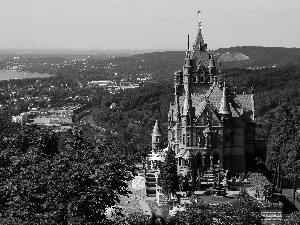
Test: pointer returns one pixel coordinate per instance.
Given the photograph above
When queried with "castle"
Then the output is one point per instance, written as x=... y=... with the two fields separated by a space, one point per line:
x=209 y=126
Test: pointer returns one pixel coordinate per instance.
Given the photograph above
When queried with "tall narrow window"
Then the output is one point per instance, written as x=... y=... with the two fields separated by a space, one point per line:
x=188 y=140
x=183 y=139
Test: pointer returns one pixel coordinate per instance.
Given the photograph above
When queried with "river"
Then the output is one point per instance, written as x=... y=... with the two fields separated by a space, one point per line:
x=7 y=75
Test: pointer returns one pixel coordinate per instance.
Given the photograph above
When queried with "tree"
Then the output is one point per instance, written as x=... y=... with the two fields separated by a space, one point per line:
x=283 y=144
x=243 y=211
x=168 y=177
x=48 y=143
x=293 y=219
x=73 y=186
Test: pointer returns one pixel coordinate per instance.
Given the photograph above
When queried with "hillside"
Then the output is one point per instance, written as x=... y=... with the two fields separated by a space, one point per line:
x=162 y=65
x=257 y=57
x=240 y=57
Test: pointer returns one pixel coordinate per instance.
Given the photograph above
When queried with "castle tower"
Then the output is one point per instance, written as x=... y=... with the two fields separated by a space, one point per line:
x=156 y=137
x=224 y=109
x=207 y=124
x=224 y=105
x=188 y=159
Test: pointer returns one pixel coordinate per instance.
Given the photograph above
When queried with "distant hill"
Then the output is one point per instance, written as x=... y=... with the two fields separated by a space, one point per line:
x=162 y=65
x=256 y=57
x=241 y=57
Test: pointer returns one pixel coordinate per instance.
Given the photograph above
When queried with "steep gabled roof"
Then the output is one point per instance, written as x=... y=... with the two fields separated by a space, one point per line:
x=180 y=154
x=241 y=105
x=199 y=56
x=188 y=155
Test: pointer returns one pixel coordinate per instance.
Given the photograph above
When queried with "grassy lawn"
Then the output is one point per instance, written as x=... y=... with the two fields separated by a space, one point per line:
x=213 y=199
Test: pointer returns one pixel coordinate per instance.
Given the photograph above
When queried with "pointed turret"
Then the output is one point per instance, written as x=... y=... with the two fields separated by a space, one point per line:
x=212 y=65
x=212 y=68
x=224 y=105
x=199 y=55
x=199 y=43
x=187 y=80
x=156 y=137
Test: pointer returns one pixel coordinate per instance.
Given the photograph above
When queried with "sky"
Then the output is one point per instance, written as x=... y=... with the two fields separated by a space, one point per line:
x=148 y=24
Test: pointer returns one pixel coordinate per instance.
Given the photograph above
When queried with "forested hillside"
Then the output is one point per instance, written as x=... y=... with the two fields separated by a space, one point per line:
x=163 y=64
x=269 y=84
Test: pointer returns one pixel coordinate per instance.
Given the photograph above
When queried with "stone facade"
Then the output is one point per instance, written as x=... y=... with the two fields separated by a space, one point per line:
x=208 y=125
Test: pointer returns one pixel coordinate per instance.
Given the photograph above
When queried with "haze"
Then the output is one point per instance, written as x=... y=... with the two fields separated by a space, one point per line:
x=147 y=24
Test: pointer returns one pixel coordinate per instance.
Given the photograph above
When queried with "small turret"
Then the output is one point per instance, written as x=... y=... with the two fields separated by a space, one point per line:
x=156 y=137
x=188 y=158
x=224 y=105
x=212 y=68
x=212 y=65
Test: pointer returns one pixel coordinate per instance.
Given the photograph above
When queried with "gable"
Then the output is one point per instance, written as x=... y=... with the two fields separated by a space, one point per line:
x=207 y=116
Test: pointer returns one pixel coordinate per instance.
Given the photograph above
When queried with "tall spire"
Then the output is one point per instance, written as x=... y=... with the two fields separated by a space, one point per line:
x=187 y=63
x=224 y=105
x=199 y=19
x=199 y=53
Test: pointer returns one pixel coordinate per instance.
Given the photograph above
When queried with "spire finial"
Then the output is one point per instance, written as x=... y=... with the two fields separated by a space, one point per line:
x=199 y=20
x=188 y=42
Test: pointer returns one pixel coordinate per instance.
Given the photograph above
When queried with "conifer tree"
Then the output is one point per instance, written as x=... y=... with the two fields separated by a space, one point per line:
x=168 y=177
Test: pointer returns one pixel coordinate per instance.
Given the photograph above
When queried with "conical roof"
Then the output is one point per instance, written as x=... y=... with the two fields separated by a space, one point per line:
x=200 y=55
x=156 y=130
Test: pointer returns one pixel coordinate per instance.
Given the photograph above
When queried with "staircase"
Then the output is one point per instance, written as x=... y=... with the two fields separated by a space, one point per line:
x=150 y=184
x=208 y=179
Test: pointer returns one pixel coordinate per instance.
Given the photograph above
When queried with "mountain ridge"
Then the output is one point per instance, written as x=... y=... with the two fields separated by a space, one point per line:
x=239 y=56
